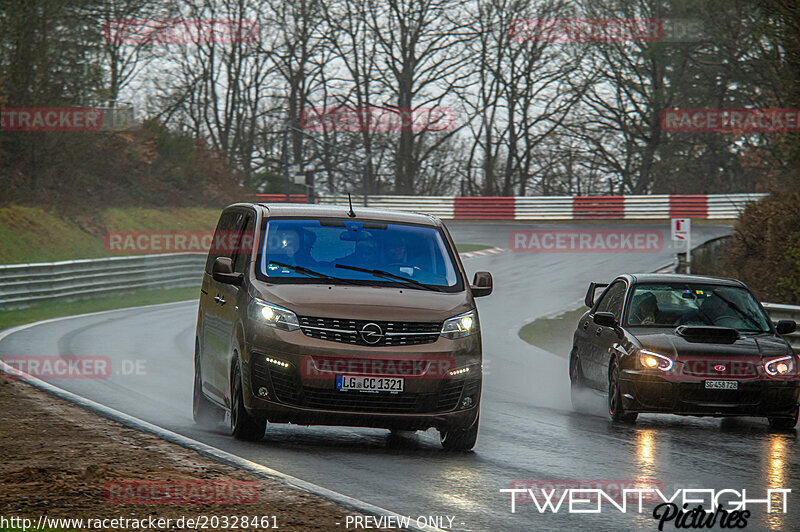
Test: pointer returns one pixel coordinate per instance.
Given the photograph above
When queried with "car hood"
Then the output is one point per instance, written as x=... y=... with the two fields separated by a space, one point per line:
x=365 y=302
x=670 y=343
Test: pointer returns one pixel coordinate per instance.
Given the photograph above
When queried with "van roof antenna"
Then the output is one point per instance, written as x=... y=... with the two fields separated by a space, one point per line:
x=350 y=213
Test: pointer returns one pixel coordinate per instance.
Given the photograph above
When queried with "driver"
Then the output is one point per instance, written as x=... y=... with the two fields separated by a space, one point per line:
x=284 y=246
x=715 y=309
x=645 y=308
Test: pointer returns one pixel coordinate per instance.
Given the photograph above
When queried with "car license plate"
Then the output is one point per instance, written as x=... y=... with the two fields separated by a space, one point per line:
x=722 y=385
x=369 y=384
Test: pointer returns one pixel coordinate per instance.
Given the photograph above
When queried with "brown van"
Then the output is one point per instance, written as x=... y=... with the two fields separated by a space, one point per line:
x=324 y=315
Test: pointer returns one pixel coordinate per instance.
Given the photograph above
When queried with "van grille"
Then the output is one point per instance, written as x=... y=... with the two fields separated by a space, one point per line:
x=284 y=386
x=395 y=333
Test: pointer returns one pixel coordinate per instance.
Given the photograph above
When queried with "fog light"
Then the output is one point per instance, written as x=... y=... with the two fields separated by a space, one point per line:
x=263 y=392
x=466 y=402
x=459 y=372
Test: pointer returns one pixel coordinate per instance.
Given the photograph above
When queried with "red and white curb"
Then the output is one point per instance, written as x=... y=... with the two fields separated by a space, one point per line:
x=206 y=450
x=481 y=253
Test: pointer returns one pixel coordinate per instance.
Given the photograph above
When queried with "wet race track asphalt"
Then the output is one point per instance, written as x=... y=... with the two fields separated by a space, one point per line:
x=528 y=429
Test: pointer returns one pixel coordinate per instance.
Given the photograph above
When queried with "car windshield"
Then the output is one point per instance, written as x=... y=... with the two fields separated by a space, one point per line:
x=668 y=305
x=360 y=252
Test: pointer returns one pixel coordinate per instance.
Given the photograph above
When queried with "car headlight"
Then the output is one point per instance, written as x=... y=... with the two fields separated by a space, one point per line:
x=652 y=360
x=779 y=366
x=273 y=315
x=460 y=326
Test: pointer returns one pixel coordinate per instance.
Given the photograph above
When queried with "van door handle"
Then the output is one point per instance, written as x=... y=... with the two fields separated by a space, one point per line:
x=585 y=325
x=220 y=300
x=598 y=331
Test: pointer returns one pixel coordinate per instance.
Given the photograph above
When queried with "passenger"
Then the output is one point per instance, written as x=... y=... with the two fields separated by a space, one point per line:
x=396 y=251
x=644 y=309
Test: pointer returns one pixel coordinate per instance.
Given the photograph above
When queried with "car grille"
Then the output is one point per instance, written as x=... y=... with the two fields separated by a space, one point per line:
x=706 y=368
x=284 y=386
x=348 y=331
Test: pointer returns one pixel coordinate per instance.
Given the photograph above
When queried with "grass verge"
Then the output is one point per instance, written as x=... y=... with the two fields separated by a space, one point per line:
x=57 y=309
x=553 y=334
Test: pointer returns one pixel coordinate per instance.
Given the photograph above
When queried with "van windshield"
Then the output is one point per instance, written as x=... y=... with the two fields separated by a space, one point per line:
x=356 y=252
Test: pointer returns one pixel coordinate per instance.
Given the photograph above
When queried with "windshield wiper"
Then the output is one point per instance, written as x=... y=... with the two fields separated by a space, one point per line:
x=310 y=272
x=387 y=275
x=745 y=315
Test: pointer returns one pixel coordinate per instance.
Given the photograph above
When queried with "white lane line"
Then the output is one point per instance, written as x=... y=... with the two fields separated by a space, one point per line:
x=184 y=441
x=480 y=253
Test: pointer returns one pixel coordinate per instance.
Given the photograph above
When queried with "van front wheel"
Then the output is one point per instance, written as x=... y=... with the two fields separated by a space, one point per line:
x=460 y=439
x=243 y=425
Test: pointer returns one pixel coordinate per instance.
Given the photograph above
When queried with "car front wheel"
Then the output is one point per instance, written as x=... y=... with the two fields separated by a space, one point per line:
x=784 y=423
x=616 y=411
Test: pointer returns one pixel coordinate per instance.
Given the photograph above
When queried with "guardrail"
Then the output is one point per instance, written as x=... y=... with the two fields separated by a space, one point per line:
x=777 y=312
x=651 y=207
x=24 y=284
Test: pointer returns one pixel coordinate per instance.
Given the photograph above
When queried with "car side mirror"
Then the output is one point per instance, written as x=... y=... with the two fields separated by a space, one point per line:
x=222 y=272
x=482 y=284
x=786 y=326
x=605 y=319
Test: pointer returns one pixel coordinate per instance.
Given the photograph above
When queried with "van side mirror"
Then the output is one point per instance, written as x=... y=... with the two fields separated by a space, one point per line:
x=222 y=271
x=482 y=284
x=786 y=326
x=605 y=319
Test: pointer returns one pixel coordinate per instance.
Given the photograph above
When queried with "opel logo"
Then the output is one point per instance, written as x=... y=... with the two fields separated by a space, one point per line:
x=719 y=367
x=371 y=333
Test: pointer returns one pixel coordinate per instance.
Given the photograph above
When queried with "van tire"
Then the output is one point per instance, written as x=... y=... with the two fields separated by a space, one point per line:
x=460 y=439
x=243 y=425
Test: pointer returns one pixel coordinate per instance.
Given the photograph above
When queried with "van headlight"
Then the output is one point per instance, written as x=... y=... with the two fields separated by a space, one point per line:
x=779 y=366
x=273 y=315
x=460 y=326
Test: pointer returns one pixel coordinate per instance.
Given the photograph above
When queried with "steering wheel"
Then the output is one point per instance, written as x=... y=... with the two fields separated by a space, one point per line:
x=727 y=321
x=694 y=318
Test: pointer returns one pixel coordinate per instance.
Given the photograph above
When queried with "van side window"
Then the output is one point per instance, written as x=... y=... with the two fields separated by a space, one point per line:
x=612 y=299
x=230 y=222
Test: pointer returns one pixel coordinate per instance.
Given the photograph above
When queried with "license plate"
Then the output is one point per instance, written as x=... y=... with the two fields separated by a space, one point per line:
x=369 y=384
x=722 y=385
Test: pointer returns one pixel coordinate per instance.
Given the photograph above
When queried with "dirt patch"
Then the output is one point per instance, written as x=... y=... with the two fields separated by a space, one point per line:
x=59 y=460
